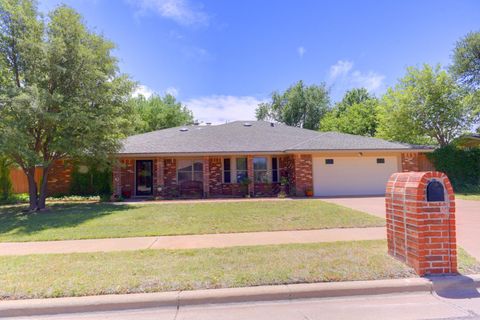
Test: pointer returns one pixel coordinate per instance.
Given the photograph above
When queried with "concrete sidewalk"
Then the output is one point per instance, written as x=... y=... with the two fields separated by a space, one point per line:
x=192 y=241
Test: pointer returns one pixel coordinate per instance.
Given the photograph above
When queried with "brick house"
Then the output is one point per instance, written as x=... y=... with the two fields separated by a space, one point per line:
x=254 y=157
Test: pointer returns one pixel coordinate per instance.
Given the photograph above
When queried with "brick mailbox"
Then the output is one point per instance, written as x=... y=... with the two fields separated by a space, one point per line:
x=421 y=221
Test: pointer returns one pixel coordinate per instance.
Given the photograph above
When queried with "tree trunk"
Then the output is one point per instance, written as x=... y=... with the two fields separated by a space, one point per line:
x=43 y=189
x=32 y=189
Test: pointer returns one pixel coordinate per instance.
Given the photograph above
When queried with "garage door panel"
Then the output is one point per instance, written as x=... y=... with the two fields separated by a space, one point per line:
x=352 y=175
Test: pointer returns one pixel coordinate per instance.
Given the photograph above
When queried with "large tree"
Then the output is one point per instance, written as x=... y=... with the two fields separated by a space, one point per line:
x=426 y=106
x=157 y=113
x=466 y=61
x=355 y=114
x=299 y=106
x=61 y=94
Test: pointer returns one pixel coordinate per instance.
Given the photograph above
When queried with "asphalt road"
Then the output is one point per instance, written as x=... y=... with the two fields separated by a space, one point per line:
x=465 y=305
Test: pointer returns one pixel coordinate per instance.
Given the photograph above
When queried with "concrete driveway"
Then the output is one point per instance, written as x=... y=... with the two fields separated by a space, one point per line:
x=468 y=218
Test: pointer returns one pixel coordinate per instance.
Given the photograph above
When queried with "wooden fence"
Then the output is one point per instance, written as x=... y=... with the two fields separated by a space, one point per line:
x=20 y=181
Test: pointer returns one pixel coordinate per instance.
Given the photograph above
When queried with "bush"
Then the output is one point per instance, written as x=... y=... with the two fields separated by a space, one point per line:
x=462 y=166
x=91 y=180
x=5 y=182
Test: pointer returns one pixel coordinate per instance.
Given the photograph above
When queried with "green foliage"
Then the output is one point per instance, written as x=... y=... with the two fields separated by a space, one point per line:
x=355 y=114
x=466 y=61
x=299 y=106
x=91 y=180
x=462 y=166
x=61 y=95
x=5 y=181
x=157 y=113
x=426 y=106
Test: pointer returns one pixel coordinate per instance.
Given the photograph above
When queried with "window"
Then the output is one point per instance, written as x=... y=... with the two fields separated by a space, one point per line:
x=190 y=170
x=275 y=169
x=260 y=173
x=227 y=171
x=328 y=161
x=242 y=171
x=380 y=160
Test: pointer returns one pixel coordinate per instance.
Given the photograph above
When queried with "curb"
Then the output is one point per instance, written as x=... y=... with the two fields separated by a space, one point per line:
x=177 y=299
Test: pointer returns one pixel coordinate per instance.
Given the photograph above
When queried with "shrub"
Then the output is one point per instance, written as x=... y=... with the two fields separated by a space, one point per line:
x=5 y=182
x=91 y=180
x=462 y=166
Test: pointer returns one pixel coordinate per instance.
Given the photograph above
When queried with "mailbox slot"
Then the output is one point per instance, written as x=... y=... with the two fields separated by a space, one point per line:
x=435 y=191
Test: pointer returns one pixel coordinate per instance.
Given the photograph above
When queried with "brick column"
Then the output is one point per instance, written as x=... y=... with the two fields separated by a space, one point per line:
x=251 y=185
x=117 y=179
x=421 y=227
x=159 y=176
x=303 y=173
x=206 y=177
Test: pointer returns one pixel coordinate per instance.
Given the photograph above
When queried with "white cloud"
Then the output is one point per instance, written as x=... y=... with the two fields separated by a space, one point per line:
x=180 y=11
x=221 y=108
x=172 y=91
x=144 y=91
x=301 y=51
x=345 y=77
x=341 y=68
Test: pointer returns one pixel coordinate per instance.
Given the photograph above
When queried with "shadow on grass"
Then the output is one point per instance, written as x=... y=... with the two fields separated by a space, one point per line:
x=15 y=221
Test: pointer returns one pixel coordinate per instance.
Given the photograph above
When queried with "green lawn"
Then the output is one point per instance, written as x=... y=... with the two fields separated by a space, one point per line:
x=106 y=220
x=468 y=196
x=41 y=276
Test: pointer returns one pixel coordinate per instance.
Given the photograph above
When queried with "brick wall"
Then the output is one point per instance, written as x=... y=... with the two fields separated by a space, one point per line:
x=303 y=173
x=59 y=178
x=127 y=176
x=215 y=178
x=421 y=233
x=413 y=161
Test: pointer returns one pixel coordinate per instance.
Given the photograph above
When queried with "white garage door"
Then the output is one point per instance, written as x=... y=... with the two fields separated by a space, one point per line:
x=349 y=176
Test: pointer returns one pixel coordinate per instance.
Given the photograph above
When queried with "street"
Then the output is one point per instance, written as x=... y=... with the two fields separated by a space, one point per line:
x=393 y=306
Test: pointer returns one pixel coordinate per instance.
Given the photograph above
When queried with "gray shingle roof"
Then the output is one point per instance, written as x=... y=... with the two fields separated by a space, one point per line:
x=258 y=136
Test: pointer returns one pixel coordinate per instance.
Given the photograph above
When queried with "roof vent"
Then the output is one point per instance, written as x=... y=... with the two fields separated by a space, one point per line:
x=272 y=124
x=247 y=124
x=184 y=129
x=208 y=123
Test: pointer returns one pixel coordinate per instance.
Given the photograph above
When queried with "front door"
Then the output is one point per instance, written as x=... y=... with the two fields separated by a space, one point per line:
x=144 y=185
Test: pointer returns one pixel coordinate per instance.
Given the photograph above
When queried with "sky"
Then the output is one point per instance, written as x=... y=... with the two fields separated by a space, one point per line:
x=222 y=58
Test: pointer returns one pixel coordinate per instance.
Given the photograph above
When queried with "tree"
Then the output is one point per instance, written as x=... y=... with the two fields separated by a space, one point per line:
x=355 y=114
x=5 y=182
x=299 y=106
x=466 y=61
x=157 y=113
x=61 y=94
x=426 y=106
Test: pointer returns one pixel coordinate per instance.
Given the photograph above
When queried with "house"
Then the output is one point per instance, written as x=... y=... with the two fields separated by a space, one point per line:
x=469 y=141
x=215 y=160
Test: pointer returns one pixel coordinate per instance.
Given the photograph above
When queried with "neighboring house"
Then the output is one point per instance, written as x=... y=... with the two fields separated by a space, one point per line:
x=469 y=141
x=213 y=160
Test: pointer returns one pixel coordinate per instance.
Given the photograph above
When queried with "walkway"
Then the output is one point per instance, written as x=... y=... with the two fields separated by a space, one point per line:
x=468 y=218
x=192 y=241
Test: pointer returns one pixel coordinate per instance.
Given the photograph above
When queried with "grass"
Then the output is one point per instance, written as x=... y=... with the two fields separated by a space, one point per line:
x=468 y=196
x=42 y=276
x=106 y=220
x=18 y=198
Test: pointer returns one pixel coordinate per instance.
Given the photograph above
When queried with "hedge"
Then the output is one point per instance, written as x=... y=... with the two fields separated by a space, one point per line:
x=91 y=180
x=462 y=166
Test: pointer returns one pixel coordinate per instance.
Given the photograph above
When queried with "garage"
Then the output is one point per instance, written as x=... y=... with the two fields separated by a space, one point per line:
x=352 y=176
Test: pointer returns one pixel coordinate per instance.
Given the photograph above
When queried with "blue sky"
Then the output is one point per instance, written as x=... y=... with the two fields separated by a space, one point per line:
x=222 y=57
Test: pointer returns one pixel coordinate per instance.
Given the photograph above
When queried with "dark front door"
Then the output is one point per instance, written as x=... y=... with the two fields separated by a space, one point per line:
x=144 y=185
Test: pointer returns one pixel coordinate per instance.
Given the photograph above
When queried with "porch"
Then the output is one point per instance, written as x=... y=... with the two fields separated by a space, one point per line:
x=263 y=175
